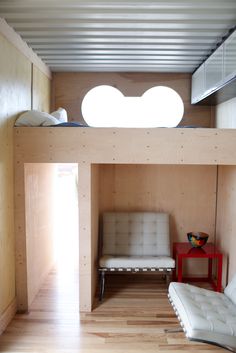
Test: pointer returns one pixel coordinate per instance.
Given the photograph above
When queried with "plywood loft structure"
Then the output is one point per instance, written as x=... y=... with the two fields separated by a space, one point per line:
x=189 y=173
x=171 y=170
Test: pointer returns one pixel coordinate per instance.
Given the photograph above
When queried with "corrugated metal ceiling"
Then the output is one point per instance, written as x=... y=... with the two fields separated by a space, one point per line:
x=126 y=36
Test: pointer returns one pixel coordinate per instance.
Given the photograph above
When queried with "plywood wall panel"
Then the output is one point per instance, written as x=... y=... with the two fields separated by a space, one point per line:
x=226 y=221
x=20 y=240
x=85 y=238
x=40 y=212
x=141 y=146
x=70 y=88
x=15 y=97
x=41 y=88
x=16 y=41
x=186 y=193
x=95 y=197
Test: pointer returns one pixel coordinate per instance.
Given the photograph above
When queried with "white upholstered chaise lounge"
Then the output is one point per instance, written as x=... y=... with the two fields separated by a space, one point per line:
x=135 y=242
x=206 y=316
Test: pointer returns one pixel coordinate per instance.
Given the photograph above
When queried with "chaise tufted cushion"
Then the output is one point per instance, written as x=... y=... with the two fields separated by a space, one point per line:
x=205 y=315
x=136 y=234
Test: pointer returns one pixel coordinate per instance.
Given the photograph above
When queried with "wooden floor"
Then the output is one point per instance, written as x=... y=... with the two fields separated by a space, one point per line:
x=131 y=319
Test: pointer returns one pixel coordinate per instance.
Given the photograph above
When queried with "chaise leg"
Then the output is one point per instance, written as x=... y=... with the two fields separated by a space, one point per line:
x=102 y=285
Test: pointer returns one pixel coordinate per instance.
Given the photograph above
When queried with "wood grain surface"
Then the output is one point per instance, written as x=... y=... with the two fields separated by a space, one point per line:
x=132 y=318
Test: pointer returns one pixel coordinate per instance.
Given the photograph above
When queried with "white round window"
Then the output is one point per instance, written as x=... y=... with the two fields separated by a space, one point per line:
x=106 y=106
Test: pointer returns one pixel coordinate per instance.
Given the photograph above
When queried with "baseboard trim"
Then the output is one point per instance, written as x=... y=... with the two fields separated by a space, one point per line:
x=7 y=316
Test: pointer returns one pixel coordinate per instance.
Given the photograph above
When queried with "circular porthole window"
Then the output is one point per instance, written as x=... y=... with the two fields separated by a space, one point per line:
x=106 y=106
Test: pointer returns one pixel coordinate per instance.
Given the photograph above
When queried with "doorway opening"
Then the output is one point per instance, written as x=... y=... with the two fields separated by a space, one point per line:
x=66 y=218
x=66 y=240
x=52 y=236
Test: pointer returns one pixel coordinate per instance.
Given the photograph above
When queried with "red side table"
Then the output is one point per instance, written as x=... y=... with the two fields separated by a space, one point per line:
x=185 y=250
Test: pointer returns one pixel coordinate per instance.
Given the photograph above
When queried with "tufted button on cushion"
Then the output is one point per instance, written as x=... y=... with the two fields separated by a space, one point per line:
x=205 y=315
x=148 y=229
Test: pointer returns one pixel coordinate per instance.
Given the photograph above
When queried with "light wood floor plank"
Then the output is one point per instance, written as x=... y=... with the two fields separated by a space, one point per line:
x=132 y=318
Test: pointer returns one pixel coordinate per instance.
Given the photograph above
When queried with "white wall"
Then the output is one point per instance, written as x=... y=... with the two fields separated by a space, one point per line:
x=226 y=221
x=226 y=114
x=226 y=225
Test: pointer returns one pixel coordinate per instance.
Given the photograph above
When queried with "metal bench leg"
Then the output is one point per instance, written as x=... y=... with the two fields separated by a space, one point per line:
x=102 y=285
x=167 y=279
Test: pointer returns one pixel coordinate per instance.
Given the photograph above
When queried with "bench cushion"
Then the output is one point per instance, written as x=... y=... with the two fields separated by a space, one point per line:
x=136 y=234
x=206 y=315
x=136 y=262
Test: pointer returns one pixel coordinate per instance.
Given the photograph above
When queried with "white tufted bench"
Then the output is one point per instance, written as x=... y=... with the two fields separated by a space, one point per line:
x=206 y=316
x=135 y=242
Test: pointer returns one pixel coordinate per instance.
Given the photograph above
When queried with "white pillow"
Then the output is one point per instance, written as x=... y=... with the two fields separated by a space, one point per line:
x=61 y=115
x=36 y=118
